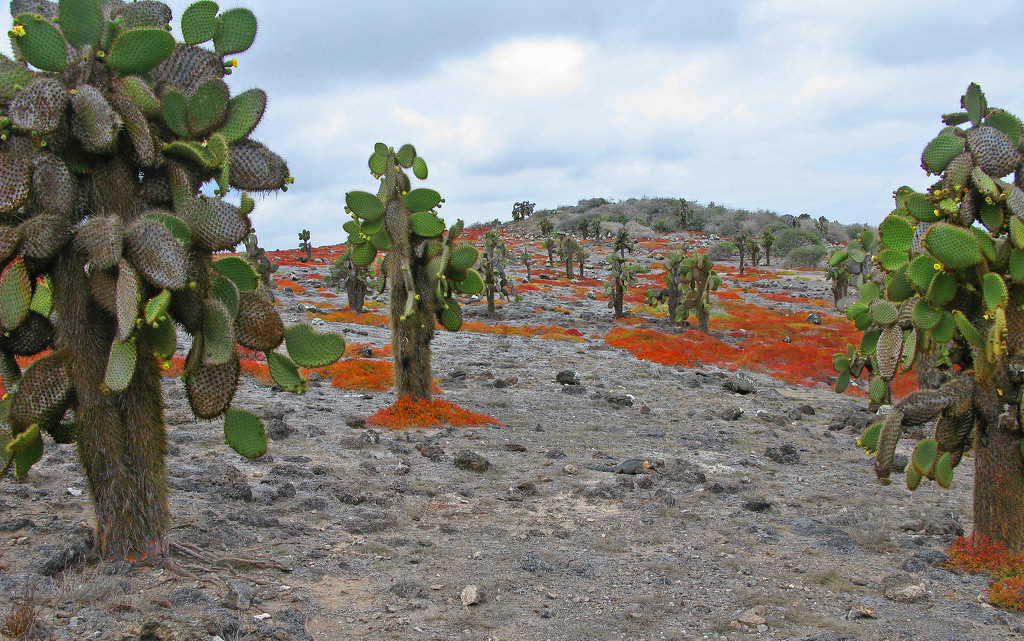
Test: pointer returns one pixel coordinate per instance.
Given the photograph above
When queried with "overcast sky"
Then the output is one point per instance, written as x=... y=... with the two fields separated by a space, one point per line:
x=791 y=105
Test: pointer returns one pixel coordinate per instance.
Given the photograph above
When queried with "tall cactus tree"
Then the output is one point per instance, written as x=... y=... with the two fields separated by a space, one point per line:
x=742 y=245
x=623 y=275
x=952 y=259
x=493 y=262
x=551 y=245
x=110 y=129
x=767 y=240
x=305 y=245
x=424 y=267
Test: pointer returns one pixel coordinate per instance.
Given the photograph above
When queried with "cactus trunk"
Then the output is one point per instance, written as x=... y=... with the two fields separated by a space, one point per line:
x=356 y=291
x=999 y=486
x=703 y=319
x=617 y=298
x=121 y=438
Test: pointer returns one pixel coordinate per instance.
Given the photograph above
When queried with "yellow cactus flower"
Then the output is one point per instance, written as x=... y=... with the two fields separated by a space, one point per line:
x=233 y=62
x=18 y=30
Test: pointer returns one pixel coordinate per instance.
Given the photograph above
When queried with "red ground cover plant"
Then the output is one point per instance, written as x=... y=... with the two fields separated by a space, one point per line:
x=348 y=316
x=977 y=554
x=284 y=283
x=360 y=373
x=416 y=412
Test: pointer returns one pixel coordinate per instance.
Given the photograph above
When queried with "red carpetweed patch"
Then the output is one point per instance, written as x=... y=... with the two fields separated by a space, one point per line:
x=980 y=554
x=284 y=283
x=258 y=370
x=328 y=295
x=360 y=373
x=348 y=316
x=415 y=412
x=1008 y=593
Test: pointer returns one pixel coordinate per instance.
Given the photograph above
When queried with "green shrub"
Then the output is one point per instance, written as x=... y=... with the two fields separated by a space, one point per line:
x=722 y=251
x=806 y=256
x=790 y=239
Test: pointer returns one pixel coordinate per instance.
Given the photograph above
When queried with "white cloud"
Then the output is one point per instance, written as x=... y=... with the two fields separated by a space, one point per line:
x=534 y=68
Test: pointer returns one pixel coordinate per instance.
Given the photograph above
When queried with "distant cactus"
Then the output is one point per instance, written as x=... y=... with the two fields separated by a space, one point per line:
x=584 y=227
x=673 y=284
x=822 y=226
x=767 y=240
x=623 y=276
x=742 y=240
x=582 y=256
x=522 y=211
x=493 y=263
x=623 y=243
x=424 y=268
x=754 y=246
x=952 y=272
x=546 y=226
x=259 y=260
x=595 y=228
x=853 y=264
x=305 y=245
x=683 y=211
x=567 y=248
x=526 y=259
x=105 y=149
x=699 y=279
x=355 y=279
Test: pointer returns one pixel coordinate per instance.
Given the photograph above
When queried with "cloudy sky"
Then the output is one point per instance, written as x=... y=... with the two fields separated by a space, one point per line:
x=795 y=106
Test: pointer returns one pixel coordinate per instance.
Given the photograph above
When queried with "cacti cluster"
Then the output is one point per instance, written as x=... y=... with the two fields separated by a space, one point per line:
x=305 y=245
x=673 y=284
x=522 y=210
x=623 y=275
x=424 y=268
x=109 y=130
x=493 y=262
x=699 y=279
x=951 y=272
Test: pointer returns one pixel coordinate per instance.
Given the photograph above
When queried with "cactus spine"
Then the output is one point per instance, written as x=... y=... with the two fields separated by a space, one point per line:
x=424 y=267
x=101 y=165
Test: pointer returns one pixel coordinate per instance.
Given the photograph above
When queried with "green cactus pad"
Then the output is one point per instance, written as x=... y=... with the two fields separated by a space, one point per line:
x=120 y=366
x=450 y=315
x=164 y=337
x=381 y=240
x=218 y=333
x=256 y=168
x=199 y=22
x=42 y=44
x=141 y=94
x=958 y=171
x=883 y=313
x=216 y=224
x=944 y=471
x=472 y=284
x=1007 y=123
x=888 y=352
x=285 y=373
x=868 y=293
x=913 y=479
x=373 y=228
x=207 y=106
x=942 y=289
x=920 y=208
x=841 y=362
x=15 y=181
x=363 y=254
x=994 y=292
x=224 y=290
x=406 y=156
x=42 y=299
x=156 y=253
x=175 y=111
x=940 y=152
x=842 y=382
x=81 y=21
x=426 y=224
x=15 y=294
x=838 y=257
x=869 y=342
x=27 y=455
x=892 y=260
x=923 y=458
x=925 y=316
x=1016 y=265
x=236 y=32
x=985 y=244
x=957 y=118
x=984 y=183
x=244 y=433
x=211 y=388
x=954 y=247
x=157 y=306
x=869 y=439
x=419 y=168
x=878 y=389
x=178 y=227
x=240 y=271
x=136 y=51
x=310 y=348
x=244 y=112
x=14 y=77
x=910 y=347
x=464 y=256
x=422 y=200
x=377 y=164
x=257 y=325
x=974 y=102
x=991 y=216
x=896 y=232
x=209 y=154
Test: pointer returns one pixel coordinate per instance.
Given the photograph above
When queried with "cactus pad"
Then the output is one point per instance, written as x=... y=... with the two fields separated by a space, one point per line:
x=216 y=224
x=256 y=168
x=993 y=152
x=41 y=43
x=136 y=51
x=285 y=373
x=39 y=106
x=129 y=299
x=15 y=181
x=422 y=200
x=244 y=112
x=239 y=271
x=244 y=433
x=883 y=313
x=207 y=106
x=211 y=387
x=218 y=334
x=199 y=22
x=940 y=151
x=888 y=439
x=923 y=458
x=120 y=366
x=156 y=253
x=43 y=395
x=994 y=292
x=426 y=224
x=954 y=247
x=365 y=205
x=257 y=325
x=94 y=123
x=235 y=33
x=81 y=21
x=310 y=348
x=101 y=238
x=15 y=294
x=889 y=351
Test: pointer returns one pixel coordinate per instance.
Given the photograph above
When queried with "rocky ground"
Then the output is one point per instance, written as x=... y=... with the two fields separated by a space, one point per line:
x=761 y=519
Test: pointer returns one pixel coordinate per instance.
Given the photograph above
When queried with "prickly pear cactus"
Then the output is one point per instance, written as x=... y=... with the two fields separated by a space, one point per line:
x=109 y=130
x=622 y=276
x=424 y=267
x=768 y=239
x=526 y=259
x=852 y=265
x=551 y=245
x=952 y=264
x=699 y=279
x=259 y=260
x=623 y=243
x=355 y=279
x=742 y=240
x=493 y=262
x=305 y=245
x=673 y=284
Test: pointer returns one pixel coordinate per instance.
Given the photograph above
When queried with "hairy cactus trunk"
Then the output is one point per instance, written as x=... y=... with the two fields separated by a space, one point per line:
x=617 y=298
x=673 y=300
x=356 y=291
x=703 y=319
x=568 y=263
x=121 y=438
x=309 y=253
x=411 y=334
x=999 y=485
x=490 y=296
